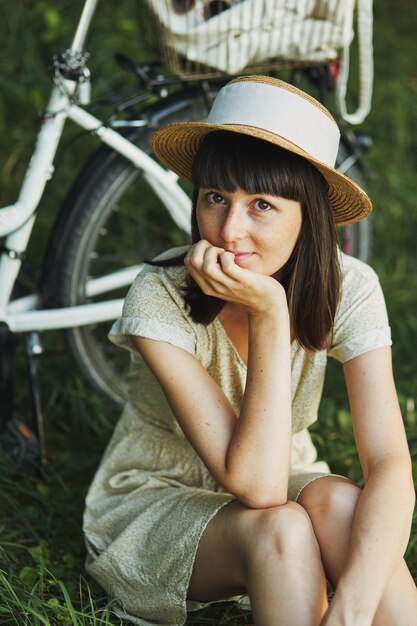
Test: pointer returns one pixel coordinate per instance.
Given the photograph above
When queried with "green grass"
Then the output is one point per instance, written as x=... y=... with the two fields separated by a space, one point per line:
x=41 y=546
x=42 y=579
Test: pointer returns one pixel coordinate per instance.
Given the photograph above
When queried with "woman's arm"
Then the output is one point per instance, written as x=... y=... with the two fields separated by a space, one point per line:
x=383 y=516
x=248 y=454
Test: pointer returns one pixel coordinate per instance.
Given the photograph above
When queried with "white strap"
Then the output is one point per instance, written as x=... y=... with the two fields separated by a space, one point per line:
x=366 y=65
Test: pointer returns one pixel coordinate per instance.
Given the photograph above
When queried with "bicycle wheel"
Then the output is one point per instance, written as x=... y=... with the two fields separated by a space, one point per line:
x=111 y=219
x=356 y=238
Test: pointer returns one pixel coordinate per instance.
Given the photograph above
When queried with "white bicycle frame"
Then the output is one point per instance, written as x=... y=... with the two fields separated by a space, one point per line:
x=17 y=220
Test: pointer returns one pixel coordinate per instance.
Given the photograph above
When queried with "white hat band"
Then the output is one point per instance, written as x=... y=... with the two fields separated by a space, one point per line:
x=281 y=112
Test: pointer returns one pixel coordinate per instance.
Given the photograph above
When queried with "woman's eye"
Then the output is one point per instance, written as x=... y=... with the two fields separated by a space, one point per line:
x=214 y=198
x=262 y=205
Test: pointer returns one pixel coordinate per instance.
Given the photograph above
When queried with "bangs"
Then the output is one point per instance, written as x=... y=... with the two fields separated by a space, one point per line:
x=227 y=161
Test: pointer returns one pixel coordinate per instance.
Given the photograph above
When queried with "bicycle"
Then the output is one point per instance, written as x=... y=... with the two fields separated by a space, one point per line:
x=100 y=238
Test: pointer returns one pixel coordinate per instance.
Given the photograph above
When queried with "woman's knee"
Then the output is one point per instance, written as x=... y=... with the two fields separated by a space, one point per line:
x=282 y=531
x=330 y=499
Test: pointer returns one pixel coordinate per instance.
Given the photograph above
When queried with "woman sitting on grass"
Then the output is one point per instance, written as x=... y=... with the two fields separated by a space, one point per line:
x=210 y=487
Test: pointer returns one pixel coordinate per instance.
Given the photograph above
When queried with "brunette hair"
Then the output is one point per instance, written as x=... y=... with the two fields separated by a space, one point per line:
x=311 y=276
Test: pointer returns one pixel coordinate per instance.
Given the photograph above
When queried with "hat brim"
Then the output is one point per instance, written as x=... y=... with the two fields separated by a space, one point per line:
x=176 y=145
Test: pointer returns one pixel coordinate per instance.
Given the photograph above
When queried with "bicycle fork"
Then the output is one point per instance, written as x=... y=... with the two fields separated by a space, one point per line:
x=33 y=349
x=21 y=449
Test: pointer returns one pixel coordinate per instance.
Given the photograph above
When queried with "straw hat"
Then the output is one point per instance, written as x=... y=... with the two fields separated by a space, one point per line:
x=272 y=110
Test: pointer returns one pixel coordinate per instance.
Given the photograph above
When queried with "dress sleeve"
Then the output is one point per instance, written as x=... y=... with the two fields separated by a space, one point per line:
x=361 y=322
x=154 y=308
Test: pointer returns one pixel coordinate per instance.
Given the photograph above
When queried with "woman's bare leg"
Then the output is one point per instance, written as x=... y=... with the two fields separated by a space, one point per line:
x=272 y=555
x=331 y=503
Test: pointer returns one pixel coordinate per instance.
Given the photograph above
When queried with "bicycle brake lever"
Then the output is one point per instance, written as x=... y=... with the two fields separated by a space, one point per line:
x=148 y=76
x=126 y=63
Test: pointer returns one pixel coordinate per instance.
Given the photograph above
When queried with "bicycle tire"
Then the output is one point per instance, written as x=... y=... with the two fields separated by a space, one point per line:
x=101 y=203
x=85 y=221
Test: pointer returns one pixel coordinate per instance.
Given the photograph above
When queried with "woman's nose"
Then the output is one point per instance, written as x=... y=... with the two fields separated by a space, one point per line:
x=233 y=227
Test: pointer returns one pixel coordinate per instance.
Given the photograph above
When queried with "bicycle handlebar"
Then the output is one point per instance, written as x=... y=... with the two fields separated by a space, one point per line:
x=84 y=25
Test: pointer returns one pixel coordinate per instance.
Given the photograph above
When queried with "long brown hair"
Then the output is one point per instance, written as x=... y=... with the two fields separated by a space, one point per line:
x=311 y=276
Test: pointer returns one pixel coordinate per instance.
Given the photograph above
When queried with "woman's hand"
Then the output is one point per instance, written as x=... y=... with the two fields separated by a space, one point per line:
x=332 y=618
x=336 y=615
x=215 y=271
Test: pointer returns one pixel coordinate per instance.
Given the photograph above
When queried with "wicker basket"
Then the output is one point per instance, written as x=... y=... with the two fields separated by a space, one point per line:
x=208 y=38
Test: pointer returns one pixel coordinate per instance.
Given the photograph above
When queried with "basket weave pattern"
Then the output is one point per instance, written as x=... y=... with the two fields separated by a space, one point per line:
x=207 y=38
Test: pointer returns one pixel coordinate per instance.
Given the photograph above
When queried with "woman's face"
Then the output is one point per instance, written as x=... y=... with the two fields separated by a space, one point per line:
x=261 y=230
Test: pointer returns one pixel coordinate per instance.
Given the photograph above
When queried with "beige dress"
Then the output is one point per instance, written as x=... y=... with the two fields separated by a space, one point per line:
x=152 y=496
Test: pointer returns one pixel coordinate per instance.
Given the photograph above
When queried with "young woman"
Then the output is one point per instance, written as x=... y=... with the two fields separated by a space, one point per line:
x=210 y=487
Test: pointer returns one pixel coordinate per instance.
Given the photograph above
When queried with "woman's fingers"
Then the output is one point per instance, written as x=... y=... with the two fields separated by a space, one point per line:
x=217 y=274
x=215 y=267
x=196 y=255
x=227 y=260
x=211 y=265
x=208 y=259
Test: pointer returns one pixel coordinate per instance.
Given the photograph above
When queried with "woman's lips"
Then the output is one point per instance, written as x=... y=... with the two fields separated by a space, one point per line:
x=241 y=256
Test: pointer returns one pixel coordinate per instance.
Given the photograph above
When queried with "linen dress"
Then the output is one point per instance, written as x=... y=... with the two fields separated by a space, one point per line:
x=152 y=496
